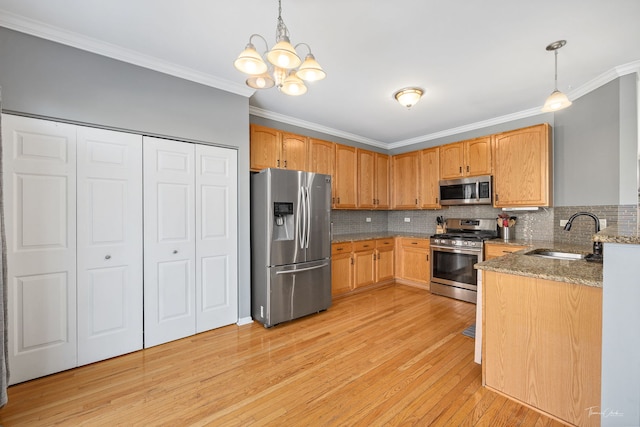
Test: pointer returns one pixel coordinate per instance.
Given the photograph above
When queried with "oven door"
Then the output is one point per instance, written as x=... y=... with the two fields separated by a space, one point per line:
x=452 y=266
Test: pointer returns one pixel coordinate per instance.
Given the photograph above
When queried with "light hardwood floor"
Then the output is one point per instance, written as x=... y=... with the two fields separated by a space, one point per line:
x=390 y=356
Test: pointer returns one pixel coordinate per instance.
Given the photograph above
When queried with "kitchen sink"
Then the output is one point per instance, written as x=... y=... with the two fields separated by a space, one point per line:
x=550 y=253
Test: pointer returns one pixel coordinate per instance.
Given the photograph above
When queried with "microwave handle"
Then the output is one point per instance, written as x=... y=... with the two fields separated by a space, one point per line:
x=478 y=190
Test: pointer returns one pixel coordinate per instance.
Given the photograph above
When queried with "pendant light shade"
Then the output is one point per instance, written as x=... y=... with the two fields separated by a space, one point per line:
x=408 y=97
x=286 y=70
x=310 y=70
x=557 y=100
x=250 y=62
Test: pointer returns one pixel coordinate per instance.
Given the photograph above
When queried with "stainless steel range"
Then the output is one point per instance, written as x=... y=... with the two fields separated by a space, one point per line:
x=454 y=253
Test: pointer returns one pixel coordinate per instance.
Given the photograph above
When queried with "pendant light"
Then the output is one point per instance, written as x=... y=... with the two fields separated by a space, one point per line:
x=557 y=100
x=283 y=67
x=408 y=96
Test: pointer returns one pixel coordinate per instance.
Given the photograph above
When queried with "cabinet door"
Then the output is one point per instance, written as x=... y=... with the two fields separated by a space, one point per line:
x=341 y=273
x=322 y=156
x=477 y=157
x=382 y=179
x=169 y=241
x=522 y=167
x=366 y=174
x=429 y=178
x=109 y=219
x=264 y=148
x=493 y=250
x=216 y=223
x=384 y=264
x=39 y=163
x=294 y=152
x=363 y=270
x=451 y=160
x=346 y=177
x=415 y=264
x=406 y=169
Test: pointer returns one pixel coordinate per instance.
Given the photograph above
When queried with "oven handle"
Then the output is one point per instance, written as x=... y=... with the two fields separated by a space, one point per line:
x=456 y=250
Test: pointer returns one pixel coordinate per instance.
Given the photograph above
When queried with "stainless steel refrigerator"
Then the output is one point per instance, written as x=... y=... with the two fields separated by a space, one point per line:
x=290 y=244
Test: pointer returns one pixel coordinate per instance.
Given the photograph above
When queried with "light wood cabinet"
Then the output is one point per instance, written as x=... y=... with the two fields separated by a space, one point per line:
x=363 y=263
x=346 y=177
x=413 y=261
x=494 y=250
x=429 y=178
x=466 y=158
x=341 y=268
x=373 y=180
x=523 y=165
x=406 y=170
x=542 y=344
x=322 y=156
x=272 y=148
x=385 y=260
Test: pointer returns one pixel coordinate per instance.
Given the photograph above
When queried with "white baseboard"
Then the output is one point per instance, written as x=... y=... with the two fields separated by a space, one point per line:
x=244 y=321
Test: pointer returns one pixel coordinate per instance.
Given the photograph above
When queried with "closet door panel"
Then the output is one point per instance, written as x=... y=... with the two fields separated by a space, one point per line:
x=217 y=242
x=169 y=240
x=109 y=244
x=39 y=160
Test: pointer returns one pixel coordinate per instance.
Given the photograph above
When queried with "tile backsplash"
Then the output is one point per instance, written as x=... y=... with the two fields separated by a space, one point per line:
x=543 y=224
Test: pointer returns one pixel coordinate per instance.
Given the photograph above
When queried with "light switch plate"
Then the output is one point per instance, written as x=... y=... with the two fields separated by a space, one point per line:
x=367 y=219
x=407 y=220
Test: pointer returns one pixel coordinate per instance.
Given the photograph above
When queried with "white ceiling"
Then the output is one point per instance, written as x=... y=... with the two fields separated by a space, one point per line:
x=481 y=62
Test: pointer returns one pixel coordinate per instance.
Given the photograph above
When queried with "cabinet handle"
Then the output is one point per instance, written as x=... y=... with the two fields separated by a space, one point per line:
x=460 y=169
x=333 y=200
x=285 y=164
x=351 y=260
x=427 y=257
x=366 y=246
x=338 y=200
x=339 y=249
x=278 y=163
x=107 y=257
x=416 y=201
x=175 y=251
x=496 y=197
x=436 y=200
x=414 y=243
x=467 y=168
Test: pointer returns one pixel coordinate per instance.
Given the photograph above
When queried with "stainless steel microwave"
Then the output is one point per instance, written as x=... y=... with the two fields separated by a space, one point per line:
x=474 y=190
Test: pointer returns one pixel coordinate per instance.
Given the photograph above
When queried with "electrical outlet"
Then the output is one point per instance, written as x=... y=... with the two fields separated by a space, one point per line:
x=563 y=222
x=367 y=219
x=603 y=224
x=407 y=220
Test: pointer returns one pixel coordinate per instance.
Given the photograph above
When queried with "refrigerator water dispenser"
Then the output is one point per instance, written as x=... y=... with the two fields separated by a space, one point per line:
x=284 y=221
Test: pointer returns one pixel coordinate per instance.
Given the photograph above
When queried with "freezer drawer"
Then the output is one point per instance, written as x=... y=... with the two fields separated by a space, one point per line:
x=295 y=291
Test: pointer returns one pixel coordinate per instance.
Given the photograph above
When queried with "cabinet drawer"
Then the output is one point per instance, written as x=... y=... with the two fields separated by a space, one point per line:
x=364 y=245
x=341 y=248
x=415 y=243
x=493 y=251
x=384 y=243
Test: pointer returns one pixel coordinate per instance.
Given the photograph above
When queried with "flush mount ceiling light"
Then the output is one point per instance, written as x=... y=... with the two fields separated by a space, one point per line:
x=557 y=100
x=408 y=96
x=283 y=68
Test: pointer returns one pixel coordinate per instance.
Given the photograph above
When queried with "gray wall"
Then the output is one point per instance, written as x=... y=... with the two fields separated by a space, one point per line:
x=43 y=78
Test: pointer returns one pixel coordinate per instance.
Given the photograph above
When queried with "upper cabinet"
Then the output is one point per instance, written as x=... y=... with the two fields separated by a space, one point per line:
x=466 y=158
x=523 y=165
x=373 y=180
x=344 y=196
x=322 y=156
x=429 y=178
x=406 y=170
x=271 y=148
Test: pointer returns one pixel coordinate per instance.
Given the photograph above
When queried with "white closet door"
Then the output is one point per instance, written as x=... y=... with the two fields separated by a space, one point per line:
x=109 y=244
x=40 y=207
x=169 y=240
x=216 y=237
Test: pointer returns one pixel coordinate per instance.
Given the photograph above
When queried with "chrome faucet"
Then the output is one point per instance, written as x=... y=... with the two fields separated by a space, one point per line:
x=597 y=246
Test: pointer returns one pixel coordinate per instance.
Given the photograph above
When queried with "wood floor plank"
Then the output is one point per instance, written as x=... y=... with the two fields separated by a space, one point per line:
x=393 y=355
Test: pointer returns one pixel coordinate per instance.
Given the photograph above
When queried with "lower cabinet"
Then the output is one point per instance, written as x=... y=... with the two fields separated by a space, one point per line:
x=341 y=268
x=360 y=264
x=413 y=262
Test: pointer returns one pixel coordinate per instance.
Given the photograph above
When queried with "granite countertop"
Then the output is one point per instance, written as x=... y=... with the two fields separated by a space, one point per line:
x=619 y=233
x=354 y=237
x=575 y=271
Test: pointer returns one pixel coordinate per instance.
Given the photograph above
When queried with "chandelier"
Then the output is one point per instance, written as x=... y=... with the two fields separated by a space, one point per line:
x=283 y=68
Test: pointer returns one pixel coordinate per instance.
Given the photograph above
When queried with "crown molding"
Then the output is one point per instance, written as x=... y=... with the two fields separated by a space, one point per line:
x=39 y=29
x=604 y=78
x=314 y=126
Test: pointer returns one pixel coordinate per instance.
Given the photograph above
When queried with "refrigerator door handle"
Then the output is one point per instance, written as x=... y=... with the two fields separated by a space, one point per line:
x=301 y=218
x=308 y=216
x=302 y=269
